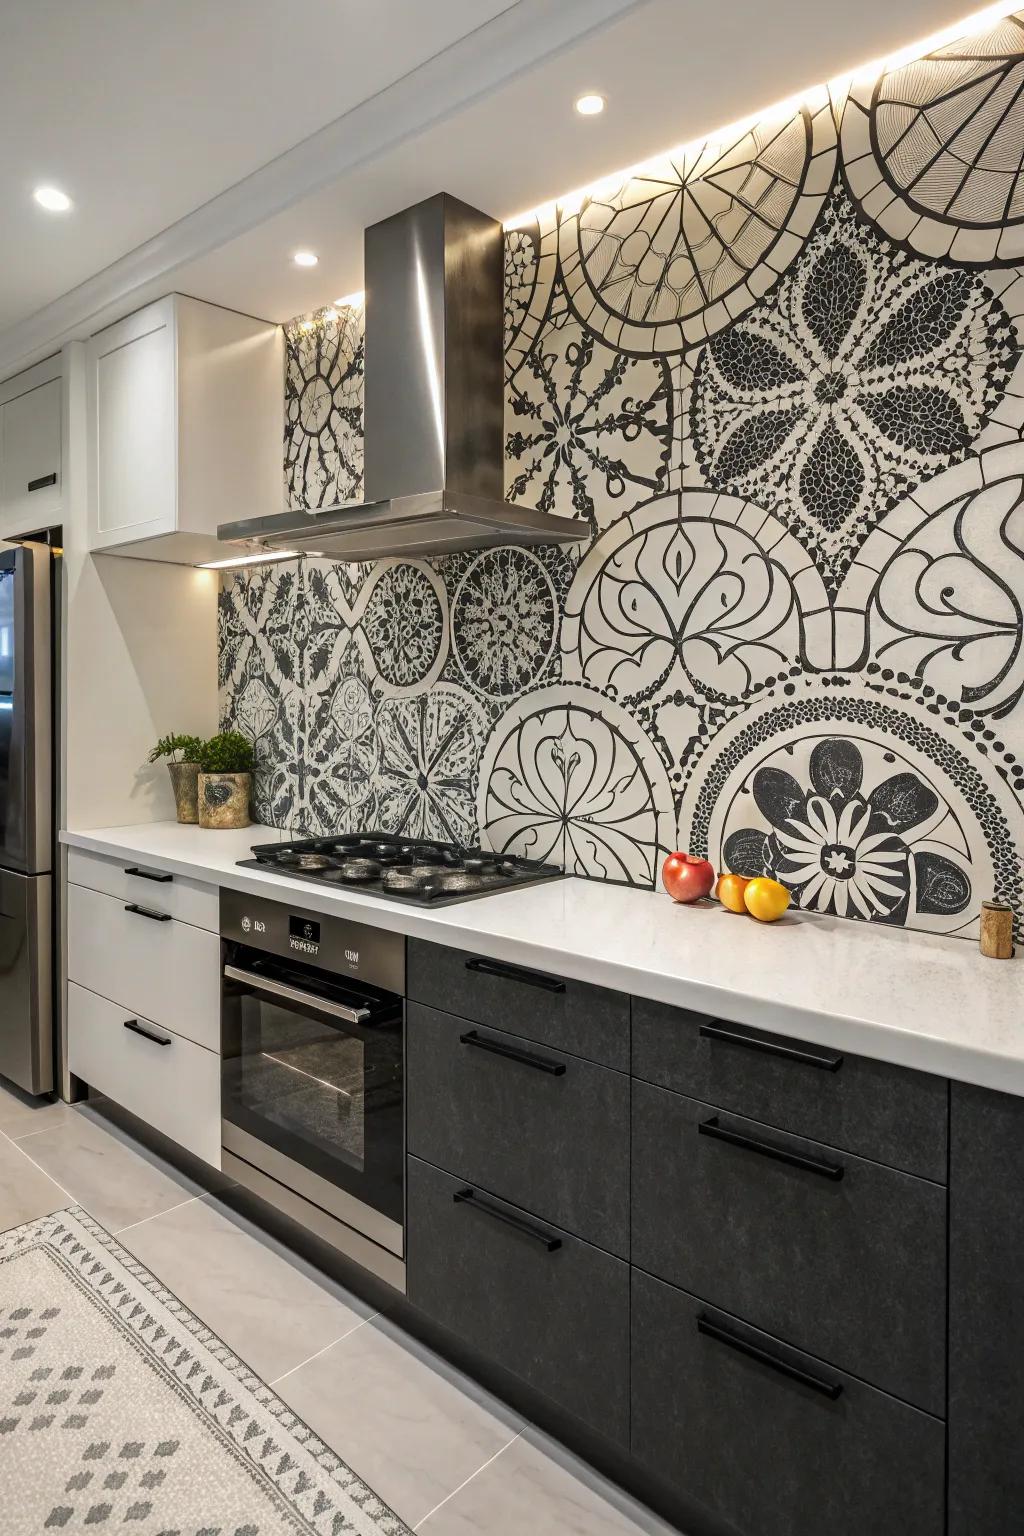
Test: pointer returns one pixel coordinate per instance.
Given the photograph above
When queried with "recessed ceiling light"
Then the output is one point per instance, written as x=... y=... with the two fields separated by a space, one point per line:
x=305 y=259
x=52 y=199
x=590 y=104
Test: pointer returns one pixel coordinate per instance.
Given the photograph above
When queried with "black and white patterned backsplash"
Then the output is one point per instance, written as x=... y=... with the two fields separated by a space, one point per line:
x=782 y=378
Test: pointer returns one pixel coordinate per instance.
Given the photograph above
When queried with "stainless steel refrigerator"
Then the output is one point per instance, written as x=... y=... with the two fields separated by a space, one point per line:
x=26 y=816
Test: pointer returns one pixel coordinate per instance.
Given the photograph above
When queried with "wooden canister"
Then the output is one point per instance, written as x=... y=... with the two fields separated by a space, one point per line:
x=996 y=930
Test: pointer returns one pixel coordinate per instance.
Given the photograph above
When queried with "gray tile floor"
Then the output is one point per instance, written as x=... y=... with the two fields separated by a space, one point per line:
x=450 y=1459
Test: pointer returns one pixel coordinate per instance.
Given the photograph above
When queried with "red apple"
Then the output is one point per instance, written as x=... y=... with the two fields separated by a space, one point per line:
x=686 y=877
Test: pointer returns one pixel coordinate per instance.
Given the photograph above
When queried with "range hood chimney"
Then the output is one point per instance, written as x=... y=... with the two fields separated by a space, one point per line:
x=433 y=403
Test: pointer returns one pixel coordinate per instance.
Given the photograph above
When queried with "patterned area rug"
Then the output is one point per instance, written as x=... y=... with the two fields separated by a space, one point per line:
x=120 y=1410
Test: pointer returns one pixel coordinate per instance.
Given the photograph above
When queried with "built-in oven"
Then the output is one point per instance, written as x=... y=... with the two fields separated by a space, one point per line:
x=312 y=1076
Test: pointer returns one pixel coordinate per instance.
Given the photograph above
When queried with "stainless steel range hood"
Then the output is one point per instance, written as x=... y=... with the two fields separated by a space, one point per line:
x=433 y=404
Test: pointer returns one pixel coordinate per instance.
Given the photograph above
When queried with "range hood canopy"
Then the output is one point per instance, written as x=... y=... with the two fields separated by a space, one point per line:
x=433 y=404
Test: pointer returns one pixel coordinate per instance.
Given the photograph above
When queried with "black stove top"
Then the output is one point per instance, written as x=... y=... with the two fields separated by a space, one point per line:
x=401 y=868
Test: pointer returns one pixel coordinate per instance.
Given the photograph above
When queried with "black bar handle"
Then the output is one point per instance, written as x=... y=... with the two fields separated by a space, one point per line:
x=829 y=1389
x=526 y=1058
x=42 y=482
x=524 y=1228
x=809 y=1058
x=515 y=973
x=146 y=874
x=154 y=917
x=137 y=1029
x=833 y=1171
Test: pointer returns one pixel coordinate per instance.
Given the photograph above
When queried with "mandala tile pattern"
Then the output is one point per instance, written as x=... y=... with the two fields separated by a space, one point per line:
x=323 y=402
x=786 y=389
x=120 y=1409
x=590 y=428
x=689 y=243
x=569 y=777
x=933 y=151
x=700 y=592
x=866 y=372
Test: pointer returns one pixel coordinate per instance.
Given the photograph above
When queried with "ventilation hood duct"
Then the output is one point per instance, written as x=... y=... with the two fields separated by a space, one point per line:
x=433 y=404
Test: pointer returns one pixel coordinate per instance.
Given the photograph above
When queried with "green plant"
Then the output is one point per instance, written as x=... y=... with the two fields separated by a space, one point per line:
x=178 y=748
x=228 y=752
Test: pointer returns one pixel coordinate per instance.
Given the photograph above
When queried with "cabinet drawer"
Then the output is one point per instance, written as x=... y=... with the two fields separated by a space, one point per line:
x=188 y=900
x=166 y=971
x=841 y=1256
x=771 y=1454
x=570 y=1015
x=539 y=1303
x=174 y=1087
x=535 y=1126
x=887 y=1113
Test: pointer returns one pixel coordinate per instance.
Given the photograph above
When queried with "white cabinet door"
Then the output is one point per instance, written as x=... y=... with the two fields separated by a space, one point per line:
x=30 y=468
x=132 y=399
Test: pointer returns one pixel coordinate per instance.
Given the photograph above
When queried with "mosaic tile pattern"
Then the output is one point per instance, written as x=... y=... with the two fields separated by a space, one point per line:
x=782 y=377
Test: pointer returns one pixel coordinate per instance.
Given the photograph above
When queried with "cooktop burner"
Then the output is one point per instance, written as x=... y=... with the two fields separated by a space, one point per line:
x=401 y=868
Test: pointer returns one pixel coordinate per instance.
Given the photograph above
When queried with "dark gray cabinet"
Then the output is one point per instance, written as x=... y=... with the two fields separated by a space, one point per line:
x=537 y=1301
x=569 y=1015
x=773 y=1440
x=838 y=1255
x=886 y=1113
x=536 y=1126
x=986 y=1313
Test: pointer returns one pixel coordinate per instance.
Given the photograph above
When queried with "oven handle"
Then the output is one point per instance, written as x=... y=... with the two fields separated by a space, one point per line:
x=295 y=995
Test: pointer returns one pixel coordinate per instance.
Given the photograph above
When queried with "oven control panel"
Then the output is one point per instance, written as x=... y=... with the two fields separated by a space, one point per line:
x=334 y=944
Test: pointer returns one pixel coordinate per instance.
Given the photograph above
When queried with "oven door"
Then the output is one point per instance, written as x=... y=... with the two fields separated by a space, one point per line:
x=311 y=1090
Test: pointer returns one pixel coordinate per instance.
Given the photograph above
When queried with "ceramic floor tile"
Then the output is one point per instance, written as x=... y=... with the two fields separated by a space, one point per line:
x=25 y=1192
x=269 y=1307
x=404 y=1422
x=535 y=1488
x=116 y=1180
x=21 y=1115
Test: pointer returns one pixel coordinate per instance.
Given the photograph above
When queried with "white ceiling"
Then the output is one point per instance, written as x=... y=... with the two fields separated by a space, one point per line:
x=151 y=109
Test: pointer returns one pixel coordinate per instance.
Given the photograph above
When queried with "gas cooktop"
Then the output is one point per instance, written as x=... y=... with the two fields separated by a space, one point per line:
x=401 y=868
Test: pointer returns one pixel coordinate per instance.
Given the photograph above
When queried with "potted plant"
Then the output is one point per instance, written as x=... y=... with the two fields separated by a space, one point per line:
x=182 y=754
x=225 y=780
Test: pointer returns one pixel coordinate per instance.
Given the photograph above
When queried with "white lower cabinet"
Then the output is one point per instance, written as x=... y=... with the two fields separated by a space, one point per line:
x=167 y=1081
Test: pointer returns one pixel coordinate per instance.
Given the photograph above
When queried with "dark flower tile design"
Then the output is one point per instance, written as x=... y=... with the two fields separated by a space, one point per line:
x=323 y=400
x=866 y=372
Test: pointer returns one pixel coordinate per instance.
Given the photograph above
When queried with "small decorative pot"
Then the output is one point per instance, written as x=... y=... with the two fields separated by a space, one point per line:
x=185 y=783
x=224 y=799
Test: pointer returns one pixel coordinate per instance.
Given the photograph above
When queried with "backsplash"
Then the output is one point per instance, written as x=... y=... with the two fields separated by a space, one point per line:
x=782 y=378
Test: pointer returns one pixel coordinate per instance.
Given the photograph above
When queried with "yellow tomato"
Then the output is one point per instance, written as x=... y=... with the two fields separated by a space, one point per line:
x=730 y=889
x=765 y=899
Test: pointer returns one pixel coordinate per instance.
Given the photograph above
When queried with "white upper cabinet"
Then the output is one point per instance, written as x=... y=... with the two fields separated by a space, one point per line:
x=185 y=427
x=30 y=452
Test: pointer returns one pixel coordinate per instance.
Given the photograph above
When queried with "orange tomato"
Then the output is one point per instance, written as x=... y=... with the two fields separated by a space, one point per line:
x=730 y=889
x=765 y=899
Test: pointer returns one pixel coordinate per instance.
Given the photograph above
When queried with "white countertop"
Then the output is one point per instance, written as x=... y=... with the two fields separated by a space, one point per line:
x=902 y=997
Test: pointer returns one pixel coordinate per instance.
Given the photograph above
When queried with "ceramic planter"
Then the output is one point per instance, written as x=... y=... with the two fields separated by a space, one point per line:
x=224 y=799
x=185 y=783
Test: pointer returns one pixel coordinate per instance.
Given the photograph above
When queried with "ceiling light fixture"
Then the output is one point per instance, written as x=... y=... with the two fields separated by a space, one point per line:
x=52 y=199
x=977 y=21
x=351 y=300
x=263 y=558
x=305 y=259
x=590 y=104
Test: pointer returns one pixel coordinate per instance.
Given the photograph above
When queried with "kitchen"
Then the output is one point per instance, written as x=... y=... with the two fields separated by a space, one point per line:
x=371 y=1115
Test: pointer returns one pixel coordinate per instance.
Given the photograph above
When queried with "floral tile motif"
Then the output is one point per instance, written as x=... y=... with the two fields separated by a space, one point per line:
x=430 y=750
x=588 y=431
x=504 y=622
x=323 y=403
x=933 y=150
x=531 y=255
x=866 y=372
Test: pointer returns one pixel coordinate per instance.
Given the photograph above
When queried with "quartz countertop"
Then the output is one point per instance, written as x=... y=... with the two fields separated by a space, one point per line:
x=907 y=998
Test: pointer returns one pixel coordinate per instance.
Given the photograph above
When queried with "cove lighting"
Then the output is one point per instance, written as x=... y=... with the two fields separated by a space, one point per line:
x=52 y=199
x=839 y=85
x=305 y=259
x=351 y=300
x=590 y=104
x=263 y=558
